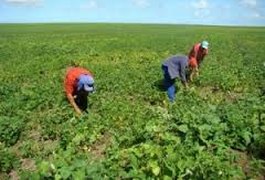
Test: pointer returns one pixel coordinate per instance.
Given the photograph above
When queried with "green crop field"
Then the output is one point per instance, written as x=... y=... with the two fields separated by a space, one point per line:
x=214 y=130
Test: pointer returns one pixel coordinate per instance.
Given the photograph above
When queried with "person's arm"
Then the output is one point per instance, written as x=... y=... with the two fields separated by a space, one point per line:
x=72 y=102
x=204 y=53
x=193 y=65
x=194 y=73
x=193 y=52
x=183 y=66
x=69 y=89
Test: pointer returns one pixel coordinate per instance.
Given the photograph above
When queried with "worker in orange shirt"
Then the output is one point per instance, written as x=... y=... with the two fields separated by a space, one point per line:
x=78 y=83
x=196 y=56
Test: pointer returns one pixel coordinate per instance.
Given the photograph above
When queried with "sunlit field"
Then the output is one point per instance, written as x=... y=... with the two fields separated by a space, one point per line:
x=214 y=130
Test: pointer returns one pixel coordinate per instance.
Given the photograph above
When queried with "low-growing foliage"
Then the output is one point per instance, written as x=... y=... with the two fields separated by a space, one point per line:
x=214 y=130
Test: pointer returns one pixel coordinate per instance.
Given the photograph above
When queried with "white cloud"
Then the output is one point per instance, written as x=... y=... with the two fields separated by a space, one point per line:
x=23 y=2
x=252 y=3
x=92 y=4
x=202 y=8
x=141 y=3
x=256 y=15
x=254 y=8
x=200 y=4
x=202 y=14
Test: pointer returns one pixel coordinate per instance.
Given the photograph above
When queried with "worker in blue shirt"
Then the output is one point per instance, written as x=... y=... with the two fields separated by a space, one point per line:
x=174 y=67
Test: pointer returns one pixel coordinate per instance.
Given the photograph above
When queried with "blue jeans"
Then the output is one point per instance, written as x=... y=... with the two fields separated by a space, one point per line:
x=169 y=84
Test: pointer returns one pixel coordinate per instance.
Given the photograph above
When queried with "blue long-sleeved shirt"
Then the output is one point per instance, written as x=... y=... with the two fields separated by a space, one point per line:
x=177 y=66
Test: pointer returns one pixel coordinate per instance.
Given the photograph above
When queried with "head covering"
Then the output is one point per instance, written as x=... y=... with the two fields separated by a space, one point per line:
x=204 y=44
x=85 y=82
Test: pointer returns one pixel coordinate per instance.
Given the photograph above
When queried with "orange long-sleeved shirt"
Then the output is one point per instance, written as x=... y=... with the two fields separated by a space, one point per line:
x=196 y=55
x=70 y=81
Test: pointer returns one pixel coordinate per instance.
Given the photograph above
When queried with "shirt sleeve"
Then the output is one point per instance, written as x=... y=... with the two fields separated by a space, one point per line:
x=195 y=51
x=193 y=62
x=68 y=86
x=183 y=65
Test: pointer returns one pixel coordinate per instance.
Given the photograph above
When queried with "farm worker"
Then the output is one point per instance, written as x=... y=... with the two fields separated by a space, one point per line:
x=78 y=83
x=196 y=56
x=174 y=67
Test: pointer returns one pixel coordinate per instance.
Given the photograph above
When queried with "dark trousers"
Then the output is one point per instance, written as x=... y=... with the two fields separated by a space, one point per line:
x=81 y=102
x=169 y=84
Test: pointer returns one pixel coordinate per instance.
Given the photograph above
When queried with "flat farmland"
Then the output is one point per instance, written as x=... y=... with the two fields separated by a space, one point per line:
x=214 y=130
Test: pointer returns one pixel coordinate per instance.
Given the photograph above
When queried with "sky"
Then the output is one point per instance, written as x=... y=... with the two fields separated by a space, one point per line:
x=208 y=12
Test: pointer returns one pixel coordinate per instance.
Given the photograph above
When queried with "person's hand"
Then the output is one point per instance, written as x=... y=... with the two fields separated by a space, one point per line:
x=193 y=74
x=72 y=102
x=191 y=79
x=197 y=73
x=186 y=85
x=78 y=111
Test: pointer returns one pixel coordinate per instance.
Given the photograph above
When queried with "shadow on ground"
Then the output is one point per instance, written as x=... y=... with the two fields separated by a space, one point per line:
x=158 y=85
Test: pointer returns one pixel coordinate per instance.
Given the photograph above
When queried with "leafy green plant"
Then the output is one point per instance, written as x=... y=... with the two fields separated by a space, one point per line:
x=131 y=130
x=10 y=129
x=8 y=160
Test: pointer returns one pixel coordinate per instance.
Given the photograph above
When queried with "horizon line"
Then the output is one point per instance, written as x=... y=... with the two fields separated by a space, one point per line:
x=143 y=23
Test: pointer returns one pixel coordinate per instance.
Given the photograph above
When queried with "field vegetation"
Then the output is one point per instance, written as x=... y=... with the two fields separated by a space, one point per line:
x=214 y=130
